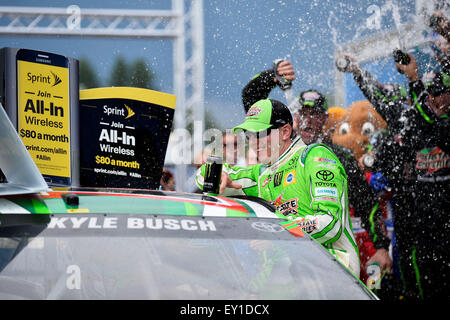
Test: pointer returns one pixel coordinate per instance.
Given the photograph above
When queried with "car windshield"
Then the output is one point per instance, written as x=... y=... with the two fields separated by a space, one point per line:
x=165 y=257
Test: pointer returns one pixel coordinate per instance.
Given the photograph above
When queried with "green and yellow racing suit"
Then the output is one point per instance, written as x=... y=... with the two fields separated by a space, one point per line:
x=307 y=184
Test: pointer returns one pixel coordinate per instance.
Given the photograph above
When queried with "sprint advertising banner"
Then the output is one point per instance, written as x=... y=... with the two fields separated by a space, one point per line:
x=124 y=134
x=43 y=115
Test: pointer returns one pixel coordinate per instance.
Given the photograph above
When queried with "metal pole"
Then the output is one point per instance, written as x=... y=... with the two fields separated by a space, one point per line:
x=179 y=58
x=198 y=75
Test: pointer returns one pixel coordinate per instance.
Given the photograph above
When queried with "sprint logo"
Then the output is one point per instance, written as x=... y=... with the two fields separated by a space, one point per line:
x=57 y=80
x=44 y=79
x=130 y=112
x=126 y=112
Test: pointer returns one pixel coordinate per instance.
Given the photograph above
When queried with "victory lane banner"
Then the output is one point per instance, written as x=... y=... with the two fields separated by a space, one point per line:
x=43 y=115
x=124 y=134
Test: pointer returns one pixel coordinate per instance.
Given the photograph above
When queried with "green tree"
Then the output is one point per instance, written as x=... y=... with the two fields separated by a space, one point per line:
x=119 y=75
x=87 y=75
x=141 y=75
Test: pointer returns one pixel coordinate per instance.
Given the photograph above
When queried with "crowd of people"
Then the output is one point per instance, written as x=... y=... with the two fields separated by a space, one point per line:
x=294 y=163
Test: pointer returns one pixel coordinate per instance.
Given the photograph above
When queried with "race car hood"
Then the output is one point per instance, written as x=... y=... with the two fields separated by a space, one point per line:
x=134 y=202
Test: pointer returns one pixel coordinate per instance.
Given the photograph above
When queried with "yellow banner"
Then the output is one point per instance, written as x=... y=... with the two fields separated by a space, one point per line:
x=44 y=115
x=139 y=94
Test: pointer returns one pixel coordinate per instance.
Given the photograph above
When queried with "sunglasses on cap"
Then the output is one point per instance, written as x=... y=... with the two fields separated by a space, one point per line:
x=258 y=135
x=261 y=134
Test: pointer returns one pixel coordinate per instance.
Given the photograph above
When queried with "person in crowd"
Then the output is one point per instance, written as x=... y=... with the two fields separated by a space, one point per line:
x=231 y=150
x=441 y=49
x=290 y=176
x=417 y=164
x=441 y=24
x=309 y=122
x=390 y=100
x=167 y=181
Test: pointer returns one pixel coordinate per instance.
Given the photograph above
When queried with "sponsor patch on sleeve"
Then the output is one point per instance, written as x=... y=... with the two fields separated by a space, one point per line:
x=325 y=199
x=308 y=226
x=325 y=175
x=265 y=182
x=322 y=191
x=323 y=160
x=288 y=207
x=277 y=178
x=289 y=179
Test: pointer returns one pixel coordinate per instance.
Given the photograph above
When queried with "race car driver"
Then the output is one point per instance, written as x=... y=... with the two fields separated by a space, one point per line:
x=307 y=184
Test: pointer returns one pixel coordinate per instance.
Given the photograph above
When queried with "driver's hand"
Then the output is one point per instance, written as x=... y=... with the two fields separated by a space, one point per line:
x=383 y=259
x=227 y=183
x=286 y=69
x=353 y=67
x=410 y=69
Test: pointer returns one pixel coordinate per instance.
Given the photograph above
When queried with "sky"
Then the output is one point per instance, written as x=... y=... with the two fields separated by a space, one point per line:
x=242 y=38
